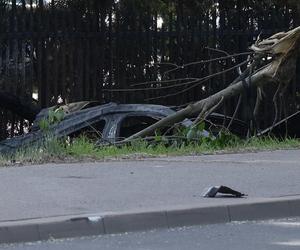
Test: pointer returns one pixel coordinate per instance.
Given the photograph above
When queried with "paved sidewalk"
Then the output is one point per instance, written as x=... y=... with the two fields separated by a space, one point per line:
x=159 y=184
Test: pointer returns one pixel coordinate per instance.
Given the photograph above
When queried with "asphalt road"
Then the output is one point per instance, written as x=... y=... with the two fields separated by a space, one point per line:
x=262 y=235
x=64 y=189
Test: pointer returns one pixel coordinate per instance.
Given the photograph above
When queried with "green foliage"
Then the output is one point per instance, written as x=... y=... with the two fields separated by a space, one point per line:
x=164 y=7
x=195 y=132
x=56 y=115
x=84 y=5
x=81 y=146
x=47 y=150
x=44 y=125
x=53 y=117
x=225 y=139
x=139 y=144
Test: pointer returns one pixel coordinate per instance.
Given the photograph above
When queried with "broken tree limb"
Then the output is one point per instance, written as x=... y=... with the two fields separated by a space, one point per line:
x=201 y=106
x=282 y=48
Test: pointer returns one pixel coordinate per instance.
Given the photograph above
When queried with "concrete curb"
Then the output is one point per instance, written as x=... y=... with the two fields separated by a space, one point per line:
x=110 y=223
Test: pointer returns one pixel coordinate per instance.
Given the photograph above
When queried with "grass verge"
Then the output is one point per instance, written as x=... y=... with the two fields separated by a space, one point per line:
x=81 y=148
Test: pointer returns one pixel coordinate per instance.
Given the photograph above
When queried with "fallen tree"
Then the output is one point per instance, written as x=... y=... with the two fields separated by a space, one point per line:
x=280 y=51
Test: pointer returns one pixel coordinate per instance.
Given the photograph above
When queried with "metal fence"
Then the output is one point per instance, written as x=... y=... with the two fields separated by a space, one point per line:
x=53 y=53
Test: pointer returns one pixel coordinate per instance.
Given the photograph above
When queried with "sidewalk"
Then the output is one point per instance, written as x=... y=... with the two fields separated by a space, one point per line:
x=115 y=194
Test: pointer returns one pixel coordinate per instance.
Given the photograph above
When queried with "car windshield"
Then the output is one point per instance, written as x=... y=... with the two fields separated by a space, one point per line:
x=133 y=124
x=92 y=131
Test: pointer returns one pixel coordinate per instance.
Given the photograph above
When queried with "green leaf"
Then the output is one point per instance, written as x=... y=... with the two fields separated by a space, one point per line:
x=44 y=124
x=201 y=126
x=191 y=134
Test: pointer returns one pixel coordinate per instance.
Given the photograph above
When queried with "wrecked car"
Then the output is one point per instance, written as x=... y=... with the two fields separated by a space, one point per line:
x=109 y=122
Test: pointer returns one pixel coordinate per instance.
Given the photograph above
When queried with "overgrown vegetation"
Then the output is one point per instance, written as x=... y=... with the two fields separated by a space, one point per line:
x=53 y=117
x=82 y=147
x=53 y=150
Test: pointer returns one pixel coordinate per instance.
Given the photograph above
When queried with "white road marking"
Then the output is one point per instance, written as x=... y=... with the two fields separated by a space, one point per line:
x=284 y=223
x=293 y=243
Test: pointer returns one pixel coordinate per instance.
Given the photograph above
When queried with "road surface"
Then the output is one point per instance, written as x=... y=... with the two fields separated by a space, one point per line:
x=263 y=235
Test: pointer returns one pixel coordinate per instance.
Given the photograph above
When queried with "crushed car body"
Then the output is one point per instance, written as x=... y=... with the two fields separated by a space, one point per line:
x=109 y=122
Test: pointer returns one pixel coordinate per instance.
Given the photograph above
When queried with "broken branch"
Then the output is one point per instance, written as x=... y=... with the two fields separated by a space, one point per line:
x=281 y=69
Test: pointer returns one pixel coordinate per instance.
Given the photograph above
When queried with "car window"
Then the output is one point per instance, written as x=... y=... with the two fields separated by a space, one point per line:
x=92 y=131
x=133 y=124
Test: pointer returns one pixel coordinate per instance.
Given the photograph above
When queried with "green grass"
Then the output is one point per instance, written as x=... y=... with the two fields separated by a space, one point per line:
x=49 y=150
x=81 y=148
x=84 y=148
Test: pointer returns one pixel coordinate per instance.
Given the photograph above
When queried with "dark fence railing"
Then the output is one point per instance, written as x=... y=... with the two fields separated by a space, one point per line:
x=50 y=53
